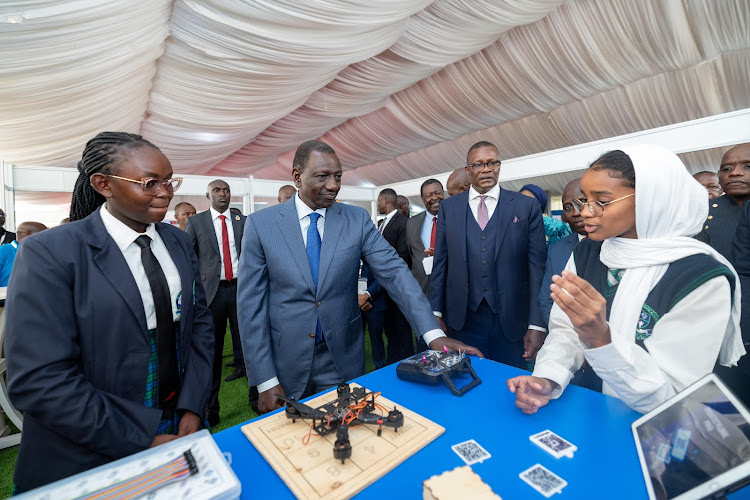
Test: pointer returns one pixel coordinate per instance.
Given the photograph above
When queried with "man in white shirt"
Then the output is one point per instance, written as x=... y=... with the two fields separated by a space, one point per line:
x=217 y=237
x=489 y=262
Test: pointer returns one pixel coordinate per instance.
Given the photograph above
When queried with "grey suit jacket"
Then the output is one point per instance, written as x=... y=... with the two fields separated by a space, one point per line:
x=416 y=249
x=278 y=303
x=200 y=227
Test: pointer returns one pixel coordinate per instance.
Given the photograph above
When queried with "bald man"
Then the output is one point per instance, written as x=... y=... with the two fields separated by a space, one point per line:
x=403 y=205
x=725 y=211
x=458 y=182
x=8 y=252
x=286 y=193
x=217 y=238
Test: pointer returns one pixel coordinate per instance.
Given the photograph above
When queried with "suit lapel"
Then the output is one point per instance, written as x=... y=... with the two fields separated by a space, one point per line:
x=416 y=232
x=288 y=223
x=504 y=214
x=183 y=267
x=462 y=213
x=237 y=224
x=112 y=264
x=334 y=222
x=210 y=232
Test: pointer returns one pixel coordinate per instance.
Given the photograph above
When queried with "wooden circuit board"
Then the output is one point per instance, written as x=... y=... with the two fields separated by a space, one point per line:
x=311 y=471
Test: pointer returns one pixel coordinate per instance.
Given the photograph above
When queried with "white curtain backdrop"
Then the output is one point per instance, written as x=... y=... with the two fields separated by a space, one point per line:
x=399 y=88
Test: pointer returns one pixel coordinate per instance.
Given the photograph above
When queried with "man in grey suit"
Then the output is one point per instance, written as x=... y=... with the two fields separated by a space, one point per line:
x=217 y=237
x=299 y=318
x=421 y=230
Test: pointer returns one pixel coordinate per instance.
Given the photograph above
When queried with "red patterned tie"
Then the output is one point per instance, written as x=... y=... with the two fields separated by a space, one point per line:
x=225 y=249
x=434 y=231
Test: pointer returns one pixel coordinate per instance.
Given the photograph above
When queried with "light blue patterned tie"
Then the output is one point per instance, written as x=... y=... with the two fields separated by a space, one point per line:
x=313 y=256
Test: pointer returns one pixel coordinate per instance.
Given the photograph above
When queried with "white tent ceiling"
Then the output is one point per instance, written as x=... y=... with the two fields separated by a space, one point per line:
x=399 y=88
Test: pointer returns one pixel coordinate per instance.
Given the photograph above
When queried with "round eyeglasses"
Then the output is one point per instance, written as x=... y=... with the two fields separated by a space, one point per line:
x=596 y=207
x=151 y=186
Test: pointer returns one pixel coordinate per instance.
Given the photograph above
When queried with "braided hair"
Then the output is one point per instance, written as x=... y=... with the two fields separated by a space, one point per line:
x=100 y=155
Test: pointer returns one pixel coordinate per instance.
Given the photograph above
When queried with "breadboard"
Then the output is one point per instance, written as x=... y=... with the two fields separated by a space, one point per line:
x=311 y=471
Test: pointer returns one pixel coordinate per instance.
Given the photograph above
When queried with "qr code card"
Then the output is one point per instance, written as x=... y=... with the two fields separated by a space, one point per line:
x=543 y=480
x=554 y=444
x=470 y=452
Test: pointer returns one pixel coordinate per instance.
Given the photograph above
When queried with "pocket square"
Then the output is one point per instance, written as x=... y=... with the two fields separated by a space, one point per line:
x=515 y=219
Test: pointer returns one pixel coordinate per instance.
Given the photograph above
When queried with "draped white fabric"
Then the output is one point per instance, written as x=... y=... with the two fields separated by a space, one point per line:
x=399 y=88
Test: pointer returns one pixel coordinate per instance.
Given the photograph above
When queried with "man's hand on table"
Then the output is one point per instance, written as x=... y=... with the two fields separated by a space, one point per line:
x=454 y=345
x=267 y=400
x=531 y=392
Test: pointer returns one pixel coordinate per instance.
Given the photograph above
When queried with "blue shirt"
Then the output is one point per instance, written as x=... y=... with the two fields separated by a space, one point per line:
x=7 y=257
x=427 y=229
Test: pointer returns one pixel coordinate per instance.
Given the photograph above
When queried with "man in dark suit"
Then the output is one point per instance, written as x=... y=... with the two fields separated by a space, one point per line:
x=458 y=182
x=738 y=377
x=421 y=231
x=5 y=236
x=372 y=303
x=489 y=262
x=299 y=317
x=403 y=205
x=393 y=229
x=724 y=212
x=559 y=252
x=217 y=237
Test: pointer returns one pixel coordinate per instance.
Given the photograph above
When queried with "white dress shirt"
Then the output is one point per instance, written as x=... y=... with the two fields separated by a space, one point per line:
x=491 y=200
x=303 y=212
x=230 y=232
x=682 y=348
x=387 y=219
x=125 y=240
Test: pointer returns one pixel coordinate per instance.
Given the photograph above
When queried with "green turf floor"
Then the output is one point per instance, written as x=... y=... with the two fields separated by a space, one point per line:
x=234 y=410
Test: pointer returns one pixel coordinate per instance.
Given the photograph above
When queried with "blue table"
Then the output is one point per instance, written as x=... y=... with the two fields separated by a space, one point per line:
x=605 y=465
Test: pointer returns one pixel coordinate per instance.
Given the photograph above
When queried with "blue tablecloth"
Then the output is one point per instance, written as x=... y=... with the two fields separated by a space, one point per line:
x=605 y=465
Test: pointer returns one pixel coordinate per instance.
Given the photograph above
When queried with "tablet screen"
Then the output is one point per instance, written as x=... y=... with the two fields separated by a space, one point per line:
x=694 y=440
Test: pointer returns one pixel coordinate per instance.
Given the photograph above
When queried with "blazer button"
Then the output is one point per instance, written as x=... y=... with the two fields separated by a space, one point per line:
x=467 y=285
x=484 y=237
x=484 y=249
x=319 y=304
x=312 y=335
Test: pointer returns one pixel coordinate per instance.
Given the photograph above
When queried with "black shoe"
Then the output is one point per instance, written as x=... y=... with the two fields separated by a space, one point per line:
x=231 y=364
x=237 y=373
x=213 y=419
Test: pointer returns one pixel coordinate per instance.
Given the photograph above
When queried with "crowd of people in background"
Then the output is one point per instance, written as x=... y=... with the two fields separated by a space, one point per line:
x=634 y=291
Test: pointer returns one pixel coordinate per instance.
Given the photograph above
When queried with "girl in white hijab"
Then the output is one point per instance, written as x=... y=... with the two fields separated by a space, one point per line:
x=646 y=339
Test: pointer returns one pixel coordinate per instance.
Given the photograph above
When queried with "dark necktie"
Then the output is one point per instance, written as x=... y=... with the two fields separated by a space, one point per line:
x=434 y=232
x=169 y=380
x=228 y=274
x=313 y=256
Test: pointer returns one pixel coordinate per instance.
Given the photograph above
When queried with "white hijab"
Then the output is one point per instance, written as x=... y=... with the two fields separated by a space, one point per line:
x=670 y=207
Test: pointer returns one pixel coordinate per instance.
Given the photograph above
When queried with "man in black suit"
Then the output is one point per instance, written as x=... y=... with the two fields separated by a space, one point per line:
x=5 y=236
x=421 y=231
x=393 y=229
x=217 y=238
x=403 y=205
x=738 y=377
x=724 y=212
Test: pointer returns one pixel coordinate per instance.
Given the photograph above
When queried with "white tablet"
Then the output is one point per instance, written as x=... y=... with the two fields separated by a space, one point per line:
x=695 y=444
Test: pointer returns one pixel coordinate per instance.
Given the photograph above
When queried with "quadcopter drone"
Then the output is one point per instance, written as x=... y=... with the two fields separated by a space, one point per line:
x=352 y=407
